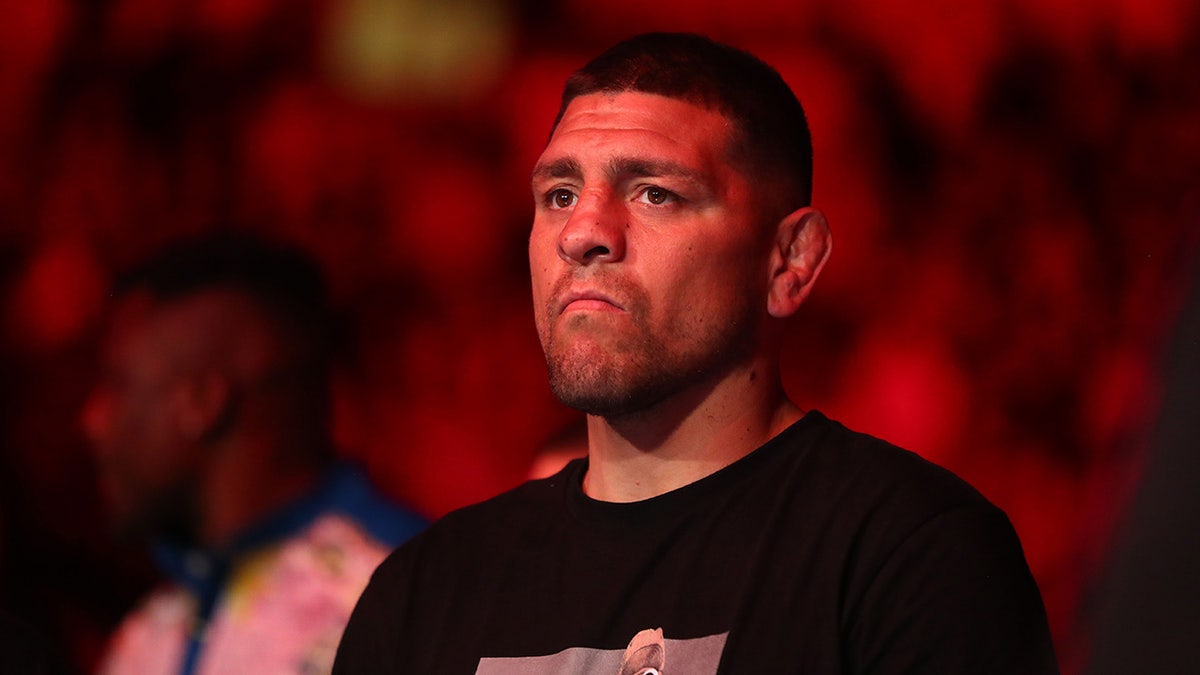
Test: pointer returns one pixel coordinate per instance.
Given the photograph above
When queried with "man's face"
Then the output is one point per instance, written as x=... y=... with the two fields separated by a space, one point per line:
x=647 y=253
x=147 y=467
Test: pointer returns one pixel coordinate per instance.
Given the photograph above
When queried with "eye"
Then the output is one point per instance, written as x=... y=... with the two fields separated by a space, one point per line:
x=561 y=198
x=656 y=195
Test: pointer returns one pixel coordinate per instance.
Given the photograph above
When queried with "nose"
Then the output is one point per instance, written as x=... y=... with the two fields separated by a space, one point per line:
x=595 y=232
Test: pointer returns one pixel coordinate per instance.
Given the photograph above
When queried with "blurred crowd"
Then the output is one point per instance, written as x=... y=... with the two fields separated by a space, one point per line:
x=1013 y=187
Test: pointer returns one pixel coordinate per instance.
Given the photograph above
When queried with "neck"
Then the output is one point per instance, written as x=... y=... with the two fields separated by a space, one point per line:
x=246 y=482
x=687 y=437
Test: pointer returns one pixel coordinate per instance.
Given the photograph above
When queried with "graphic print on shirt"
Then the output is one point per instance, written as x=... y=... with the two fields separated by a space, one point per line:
x=647 y=653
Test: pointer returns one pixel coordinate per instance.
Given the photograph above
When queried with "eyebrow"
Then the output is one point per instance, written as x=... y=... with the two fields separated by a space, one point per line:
x=568 y=167
x=632 y=166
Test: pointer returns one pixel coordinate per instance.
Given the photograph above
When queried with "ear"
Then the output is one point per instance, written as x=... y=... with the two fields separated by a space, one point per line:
x=801 y=247
x=205 y=401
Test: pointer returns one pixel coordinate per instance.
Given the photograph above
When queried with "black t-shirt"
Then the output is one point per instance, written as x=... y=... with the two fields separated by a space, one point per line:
x=823 y=551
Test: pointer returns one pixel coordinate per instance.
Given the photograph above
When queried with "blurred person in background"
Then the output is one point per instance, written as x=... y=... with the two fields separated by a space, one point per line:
x=211 y=431
x=714 y=526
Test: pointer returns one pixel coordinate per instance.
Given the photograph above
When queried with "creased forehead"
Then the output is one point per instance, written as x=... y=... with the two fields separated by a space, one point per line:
x=661 y=133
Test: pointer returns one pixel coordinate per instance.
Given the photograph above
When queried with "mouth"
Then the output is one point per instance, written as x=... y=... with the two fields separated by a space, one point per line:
x=587 y=300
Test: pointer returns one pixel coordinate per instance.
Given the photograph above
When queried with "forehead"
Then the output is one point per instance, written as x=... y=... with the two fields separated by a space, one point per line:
x=132 y=340
x=140 y=322
x=131 y=315
x=600 y=126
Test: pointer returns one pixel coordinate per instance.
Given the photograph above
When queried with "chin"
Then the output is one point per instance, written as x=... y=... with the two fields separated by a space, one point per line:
x=599 y=404
x=608 y=392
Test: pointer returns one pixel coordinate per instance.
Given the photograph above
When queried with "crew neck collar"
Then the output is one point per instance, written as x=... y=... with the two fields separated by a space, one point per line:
x=646 y=513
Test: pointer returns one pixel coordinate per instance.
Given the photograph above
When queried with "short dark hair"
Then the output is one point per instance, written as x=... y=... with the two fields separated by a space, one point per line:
x=283 y=281
x=772 y=130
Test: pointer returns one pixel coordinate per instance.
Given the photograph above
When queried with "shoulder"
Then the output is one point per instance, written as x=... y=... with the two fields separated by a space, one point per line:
x=876 y=500
x=452 y=565
x=932 y=567
x=334 y=550
x=472 y=536
x=877 y=475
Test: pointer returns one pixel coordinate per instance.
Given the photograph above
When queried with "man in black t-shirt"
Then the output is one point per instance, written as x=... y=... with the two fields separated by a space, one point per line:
x=713 y=526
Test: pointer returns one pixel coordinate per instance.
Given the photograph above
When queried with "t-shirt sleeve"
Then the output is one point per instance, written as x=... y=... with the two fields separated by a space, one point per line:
x=371 y=641
x=955 y=596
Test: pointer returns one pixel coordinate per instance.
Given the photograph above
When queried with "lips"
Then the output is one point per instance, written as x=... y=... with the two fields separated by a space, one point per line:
x=585 y=300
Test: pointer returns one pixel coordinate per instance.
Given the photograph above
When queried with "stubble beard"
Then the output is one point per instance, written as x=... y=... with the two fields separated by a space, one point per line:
x=632 y=373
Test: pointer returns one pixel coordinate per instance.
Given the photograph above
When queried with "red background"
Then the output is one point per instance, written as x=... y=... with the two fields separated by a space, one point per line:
x=1013 y=188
